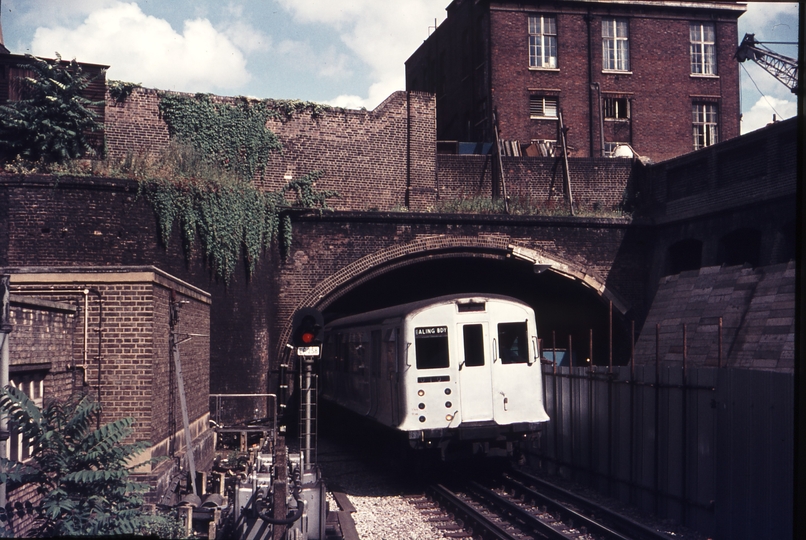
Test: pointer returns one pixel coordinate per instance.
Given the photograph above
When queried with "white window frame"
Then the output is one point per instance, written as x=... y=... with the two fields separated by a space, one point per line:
x=702 y=36
x=615 y=44
x=615 y=106
x=543 y=41
x=705 y=124
x=547 y=145
x=33 y=385
x=543 y=107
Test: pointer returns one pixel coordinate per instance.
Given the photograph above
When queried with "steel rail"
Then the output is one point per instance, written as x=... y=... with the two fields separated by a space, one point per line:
x=467 y=515
x=632 y=529
x=527 y=520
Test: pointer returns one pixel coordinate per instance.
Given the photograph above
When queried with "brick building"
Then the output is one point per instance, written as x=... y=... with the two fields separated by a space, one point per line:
x=659 y=76
x=104 y=331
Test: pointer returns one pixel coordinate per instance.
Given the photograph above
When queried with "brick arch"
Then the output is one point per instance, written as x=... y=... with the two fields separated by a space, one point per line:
x=430 y=247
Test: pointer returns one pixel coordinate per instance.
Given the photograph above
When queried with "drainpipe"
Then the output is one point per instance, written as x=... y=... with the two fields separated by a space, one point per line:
x=5 y=330
x=588 y=19
x=601 y=120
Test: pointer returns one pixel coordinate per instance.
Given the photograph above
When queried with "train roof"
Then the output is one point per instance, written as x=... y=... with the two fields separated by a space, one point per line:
x=412 y=308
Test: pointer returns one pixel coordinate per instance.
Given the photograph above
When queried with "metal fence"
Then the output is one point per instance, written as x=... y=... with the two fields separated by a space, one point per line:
x=709 y=447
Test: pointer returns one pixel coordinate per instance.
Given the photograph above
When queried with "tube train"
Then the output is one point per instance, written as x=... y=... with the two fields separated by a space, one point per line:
x=458 y=372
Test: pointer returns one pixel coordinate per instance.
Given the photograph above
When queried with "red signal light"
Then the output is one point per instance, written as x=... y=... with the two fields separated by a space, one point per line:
x=308 y=337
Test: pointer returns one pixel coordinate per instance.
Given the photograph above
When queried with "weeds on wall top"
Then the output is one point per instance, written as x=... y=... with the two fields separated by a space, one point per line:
x=231 y=136
x=226 y=215
x=120 y=90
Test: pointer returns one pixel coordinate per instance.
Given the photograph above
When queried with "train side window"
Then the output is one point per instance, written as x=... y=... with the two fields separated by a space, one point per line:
x=513 y=345
x=390 y=344
x=474 y=345
x=375 y=358
x=431 y=347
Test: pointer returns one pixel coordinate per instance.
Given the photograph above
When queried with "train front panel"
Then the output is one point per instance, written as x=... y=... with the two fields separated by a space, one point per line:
x=471 y=366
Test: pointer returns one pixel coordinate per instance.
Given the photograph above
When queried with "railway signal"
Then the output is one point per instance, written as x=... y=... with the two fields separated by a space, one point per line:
x=306 y=335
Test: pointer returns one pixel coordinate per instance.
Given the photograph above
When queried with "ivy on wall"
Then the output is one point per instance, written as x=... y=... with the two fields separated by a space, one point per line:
x=218 y=212
x=232 y=136
x=220 y=148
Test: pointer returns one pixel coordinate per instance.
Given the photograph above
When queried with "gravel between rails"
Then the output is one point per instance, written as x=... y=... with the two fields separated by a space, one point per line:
x=382 y=510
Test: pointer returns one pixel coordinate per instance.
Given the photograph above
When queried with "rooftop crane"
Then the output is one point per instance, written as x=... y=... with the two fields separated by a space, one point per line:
x=783 y=68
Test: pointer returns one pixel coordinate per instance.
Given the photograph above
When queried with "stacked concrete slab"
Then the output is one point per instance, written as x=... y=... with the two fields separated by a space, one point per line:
x=757 y=307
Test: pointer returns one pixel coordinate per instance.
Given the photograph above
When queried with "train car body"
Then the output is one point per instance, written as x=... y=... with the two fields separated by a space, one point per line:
x=441 y=372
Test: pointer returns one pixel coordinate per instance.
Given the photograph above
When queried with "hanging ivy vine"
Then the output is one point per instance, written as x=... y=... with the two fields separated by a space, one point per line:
x=228 y=217
x=218 y=150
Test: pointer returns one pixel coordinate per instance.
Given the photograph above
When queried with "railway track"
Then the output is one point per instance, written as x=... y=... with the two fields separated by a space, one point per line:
x=516 y=506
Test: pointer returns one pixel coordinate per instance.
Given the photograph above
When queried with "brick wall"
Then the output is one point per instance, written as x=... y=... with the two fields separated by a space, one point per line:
x=369 y=157
x=748 y=183
x=130 y=371
x=93 y=221
x=600 y=184
x=477 y=62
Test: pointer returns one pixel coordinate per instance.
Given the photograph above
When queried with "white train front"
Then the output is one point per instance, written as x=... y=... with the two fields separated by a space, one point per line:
x=445 y=371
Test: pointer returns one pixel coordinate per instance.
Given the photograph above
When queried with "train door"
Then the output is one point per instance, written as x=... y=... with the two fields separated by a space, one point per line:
x=475 y=374
x=517 y=388
x=375 y=371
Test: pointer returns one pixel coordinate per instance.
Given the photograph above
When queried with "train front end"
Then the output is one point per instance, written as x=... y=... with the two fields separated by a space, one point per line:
x=472 y=376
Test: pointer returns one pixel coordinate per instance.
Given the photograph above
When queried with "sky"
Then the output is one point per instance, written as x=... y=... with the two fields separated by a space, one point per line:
x=347 y=53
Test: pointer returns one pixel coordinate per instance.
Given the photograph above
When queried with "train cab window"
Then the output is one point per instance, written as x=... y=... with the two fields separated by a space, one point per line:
x=431 y=347
x=474 y=345
x=513 y=344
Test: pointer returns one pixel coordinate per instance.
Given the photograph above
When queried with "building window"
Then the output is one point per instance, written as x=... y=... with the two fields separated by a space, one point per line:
x=542 y=41
x=18 y=448
x=705 y=124
x=615 y=45
x=615 y=108
x=542 y=107
x=703 y=48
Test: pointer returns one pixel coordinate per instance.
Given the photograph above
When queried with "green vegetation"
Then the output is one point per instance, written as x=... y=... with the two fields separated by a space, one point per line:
x=524 y=206
x=232 y=137
x=120 y=90
x=52 y=120
x=81 y=474
x=223 y=212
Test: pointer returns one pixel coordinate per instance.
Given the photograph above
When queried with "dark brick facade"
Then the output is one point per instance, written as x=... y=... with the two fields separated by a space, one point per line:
x=477 y=63
x=129 y=372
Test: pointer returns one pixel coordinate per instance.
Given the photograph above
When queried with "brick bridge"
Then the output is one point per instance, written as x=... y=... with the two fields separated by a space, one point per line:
x=688 y=213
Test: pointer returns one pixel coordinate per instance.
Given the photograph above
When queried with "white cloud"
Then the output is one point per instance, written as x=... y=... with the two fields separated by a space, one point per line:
x=347 y=102
x=381 y=34
x=770 y=19
x=246 y=37
x=327 y=62
x=761 y=113
x=145 y=49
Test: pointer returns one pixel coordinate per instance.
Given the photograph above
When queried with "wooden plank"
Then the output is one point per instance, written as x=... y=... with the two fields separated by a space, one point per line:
x=343 y=501
x=347 y=526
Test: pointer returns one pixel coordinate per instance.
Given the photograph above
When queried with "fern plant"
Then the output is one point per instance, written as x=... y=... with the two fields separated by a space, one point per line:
x=81 y=473
x=53 y=119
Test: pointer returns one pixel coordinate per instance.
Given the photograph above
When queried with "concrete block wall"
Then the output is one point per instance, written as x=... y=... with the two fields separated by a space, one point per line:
x=757 y=307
